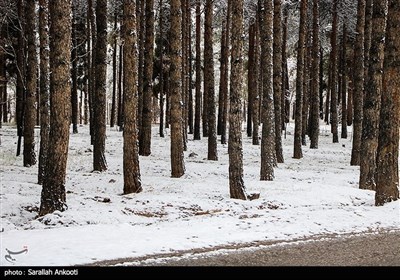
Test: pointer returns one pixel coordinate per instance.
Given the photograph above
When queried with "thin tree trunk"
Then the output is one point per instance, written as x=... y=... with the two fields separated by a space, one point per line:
x=297 y=153
x=225 y=89
x=31 y=84
x=74 y=74
x=44 y=88
x=197 y=113
x=315 y=80
x=372 y=102
x=277 y=78
x=99 y=113
x=92 y=80
x=209 y=87
x=120 y=116
x=161 y=26
x=189 y=76
x=321 y=83
x=344 y=83
x=177 y=157
x=114 y=66
x=235 y=149
x=255 y=86
x=53 y=195
x=147 y=113
x=333 y=83
x=285 y=75
x=306 y=87
x=141 y=29
x=267 y=116
x=20 y=87
x=250 y=90
x=132 y=182
x=223 y=77
x=387 y=170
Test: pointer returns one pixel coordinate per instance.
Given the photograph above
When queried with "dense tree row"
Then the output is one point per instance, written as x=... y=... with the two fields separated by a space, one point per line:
x=165 y=70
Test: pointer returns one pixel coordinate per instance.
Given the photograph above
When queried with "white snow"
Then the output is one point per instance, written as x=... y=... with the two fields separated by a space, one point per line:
x=316 y=195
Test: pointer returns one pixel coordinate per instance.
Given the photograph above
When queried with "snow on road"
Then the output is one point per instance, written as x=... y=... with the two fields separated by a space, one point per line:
x=316 y=195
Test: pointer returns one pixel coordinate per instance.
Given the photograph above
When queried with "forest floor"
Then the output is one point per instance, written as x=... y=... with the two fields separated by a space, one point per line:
x=315 y=196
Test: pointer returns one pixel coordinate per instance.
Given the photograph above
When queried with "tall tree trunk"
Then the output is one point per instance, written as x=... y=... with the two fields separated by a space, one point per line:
x=92 y=71
x=53 y=195
x=177 y=157
x=358 y=83
x=44 y=88
x=197 y=113
x=189 y=66
x=315 y=79
x=298 y=153
x=147 y=113
x=114 y=67
x=235 y=149
x=224 y=86
x=387 y=169
x=132 y=182
x=20 y=87
x=255 y=85
x=141 y=29
x=223 y=78
x=285 y=75
x=120 y=116
x=321 y=83
x=333 y=83
x=184 y=73
x=267 y=116
x=209 y=87
x=250 y=90
x=344 y=83
x=367 y=39
x=162 y=84
x=372 y=101
x=74 y=73
x=99 y=113
x=31 y=84
x=306 y=87
x=277 y=78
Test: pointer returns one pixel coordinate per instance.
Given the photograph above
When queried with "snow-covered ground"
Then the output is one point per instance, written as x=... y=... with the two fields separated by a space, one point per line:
x=316 y=195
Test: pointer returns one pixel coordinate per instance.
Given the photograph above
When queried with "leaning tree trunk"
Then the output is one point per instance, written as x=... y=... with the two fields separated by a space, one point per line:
x=387 y=169
x=315 y=106
x=147 y=111
x=358 y=83
x=372 y=101
x=99 y=100
x=177 y=145
x=333 y=82
x=235 y=149
x=267 y=115
x=209 y=87
x=53 y=192
x=298 y=153
x=132 y=182
x=44 y=87
x=31 y=84
x=277 y=78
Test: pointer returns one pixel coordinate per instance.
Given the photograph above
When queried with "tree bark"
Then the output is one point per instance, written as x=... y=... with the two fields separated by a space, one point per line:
x=372 y=101
x=255 y=85
x=298 y=153
x=358 y=83
x=147 y=113
x=267 y=116
x=132 y=182
x=197 y=113
x=44 y=88
x=177 y=145
x=31 y=84
x=114 y=69
x=277 y=78
x=235 y=149
x=99 y=158
x=333 y=82
x=250 y=90
x=74 y=74
x=387 y=170
x=20 y=87
x=53 y=195
x=344 y=83
x=315 y=80
x=224 y=83
x=209 y=86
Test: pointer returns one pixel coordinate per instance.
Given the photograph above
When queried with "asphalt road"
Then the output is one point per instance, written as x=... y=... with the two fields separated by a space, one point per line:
x=381 y=249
